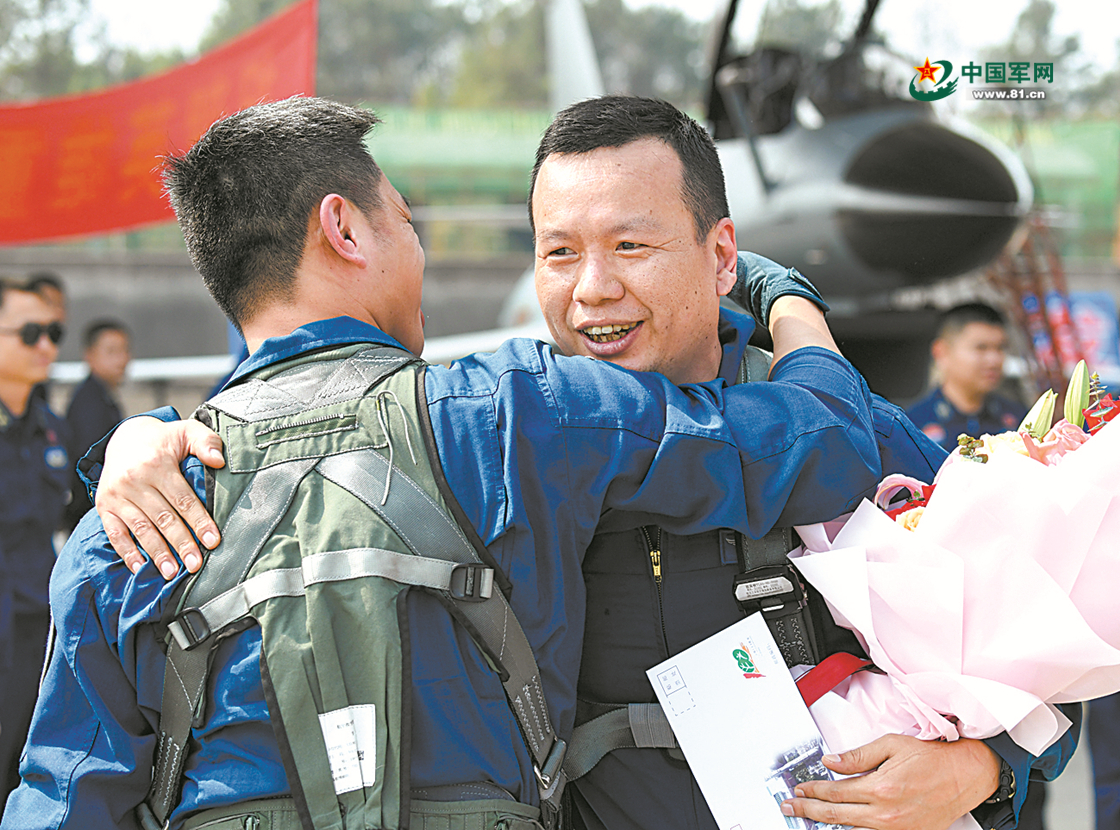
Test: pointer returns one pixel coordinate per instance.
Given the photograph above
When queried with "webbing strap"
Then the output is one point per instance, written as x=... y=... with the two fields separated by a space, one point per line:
x=310 y=385
x=252 y=521
x=429 y=531
x=766 y=581
x=636 y=725
x=332 y=566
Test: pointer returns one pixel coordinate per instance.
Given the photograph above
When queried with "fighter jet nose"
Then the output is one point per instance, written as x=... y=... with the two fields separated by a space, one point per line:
x=933 y=203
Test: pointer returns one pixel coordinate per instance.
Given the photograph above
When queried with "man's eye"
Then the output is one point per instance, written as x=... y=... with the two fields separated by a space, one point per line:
x=628 y=246
x=560 y=252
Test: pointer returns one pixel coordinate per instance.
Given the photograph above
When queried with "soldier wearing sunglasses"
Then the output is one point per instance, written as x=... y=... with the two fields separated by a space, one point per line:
x=34 y=486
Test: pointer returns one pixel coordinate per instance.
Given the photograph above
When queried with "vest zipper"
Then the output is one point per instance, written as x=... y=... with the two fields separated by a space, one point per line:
x=655 y=562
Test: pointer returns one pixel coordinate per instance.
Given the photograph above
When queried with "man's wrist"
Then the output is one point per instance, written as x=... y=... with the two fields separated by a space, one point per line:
x=1005 y=790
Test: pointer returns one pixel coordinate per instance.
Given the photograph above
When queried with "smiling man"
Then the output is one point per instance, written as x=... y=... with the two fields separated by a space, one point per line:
x=411 y=534
x=34 y=475
x=633 y=240
x=634 y=248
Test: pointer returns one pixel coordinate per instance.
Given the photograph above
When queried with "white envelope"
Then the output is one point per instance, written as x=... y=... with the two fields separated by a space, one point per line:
x=742 y=725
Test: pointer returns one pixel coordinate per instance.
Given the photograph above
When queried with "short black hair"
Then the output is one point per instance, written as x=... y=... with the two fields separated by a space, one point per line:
x=245 y=193
x=8 y=284
x=98 y=327
x=39 y=280
x=617 y=120
x=956 y=318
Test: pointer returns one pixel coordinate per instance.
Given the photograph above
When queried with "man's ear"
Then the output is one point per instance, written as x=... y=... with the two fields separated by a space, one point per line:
x=939 y=349
x=339 y=221
x=727 y=256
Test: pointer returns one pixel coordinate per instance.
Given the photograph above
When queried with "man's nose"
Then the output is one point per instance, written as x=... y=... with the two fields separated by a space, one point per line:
x=597 y=283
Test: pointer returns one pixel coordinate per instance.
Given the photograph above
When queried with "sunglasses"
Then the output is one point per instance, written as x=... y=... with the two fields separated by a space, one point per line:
x=29 y=333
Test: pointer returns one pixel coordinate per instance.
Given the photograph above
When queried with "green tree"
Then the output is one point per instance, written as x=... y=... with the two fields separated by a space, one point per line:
x=803 y=27
x=654 y=51
x=39 y=42
x=1033 y=40
x=501 y=60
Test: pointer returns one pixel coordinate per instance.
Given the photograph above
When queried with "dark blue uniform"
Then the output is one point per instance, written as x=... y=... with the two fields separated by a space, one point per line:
x=34 y=483
x=92 y=414
x=940 y=420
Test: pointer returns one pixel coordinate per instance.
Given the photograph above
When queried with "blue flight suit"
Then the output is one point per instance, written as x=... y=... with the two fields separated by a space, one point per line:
x=538 y=450
x=34 y=483
x=635 y=620
x=936 y=416
x=92 y=413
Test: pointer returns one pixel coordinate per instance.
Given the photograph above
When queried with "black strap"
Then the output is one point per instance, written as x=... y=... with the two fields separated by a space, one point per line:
x=766 y=581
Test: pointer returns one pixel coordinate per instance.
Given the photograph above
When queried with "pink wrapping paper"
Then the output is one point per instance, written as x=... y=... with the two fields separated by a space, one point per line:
x=1000 y=604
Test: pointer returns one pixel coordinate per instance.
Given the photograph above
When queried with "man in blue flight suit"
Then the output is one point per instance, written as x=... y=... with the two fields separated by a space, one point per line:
x=652 y=593
x=968 y=354
x=34 y=484
x=306 y=246
x=608 y=293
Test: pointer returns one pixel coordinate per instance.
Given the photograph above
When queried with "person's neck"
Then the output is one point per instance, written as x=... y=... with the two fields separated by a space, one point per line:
x=967 y=401
x=15 y=397
x=108 y=384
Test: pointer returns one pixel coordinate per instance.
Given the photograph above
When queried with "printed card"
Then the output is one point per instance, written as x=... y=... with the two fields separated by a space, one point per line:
x=743 y=726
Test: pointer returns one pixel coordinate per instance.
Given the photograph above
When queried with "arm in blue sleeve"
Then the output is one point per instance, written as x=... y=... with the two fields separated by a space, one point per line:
x=798 y=449
x=761 y=281
x=89 y=466
x=88 y=757
x=1045 y=767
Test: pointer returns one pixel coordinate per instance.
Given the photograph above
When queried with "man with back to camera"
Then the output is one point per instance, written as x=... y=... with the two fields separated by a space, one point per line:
x=291 y=223
x=94 y=409
x=34 y=484
x=968 y=354
x=624 y=306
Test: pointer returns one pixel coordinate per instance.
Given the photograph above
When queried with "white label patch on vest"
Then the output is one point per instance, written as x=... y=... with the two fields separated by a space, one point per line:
x=350 y=735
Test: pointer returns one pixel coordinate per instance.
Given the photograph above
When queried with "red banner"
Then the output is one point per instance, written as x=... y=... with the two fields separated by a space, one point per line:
x=87 y=164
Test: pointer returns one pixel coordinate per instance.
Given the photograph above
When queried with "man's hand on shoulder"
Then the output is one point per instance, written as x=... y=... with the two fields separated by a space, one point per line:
x=907 y=784
x=142 y=492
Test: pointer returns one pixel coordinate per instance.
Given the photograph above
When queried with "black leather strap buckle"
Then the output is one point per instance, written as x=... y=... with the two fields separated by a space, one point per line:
x=774 y=589
x=189 y=628
x=471 y=582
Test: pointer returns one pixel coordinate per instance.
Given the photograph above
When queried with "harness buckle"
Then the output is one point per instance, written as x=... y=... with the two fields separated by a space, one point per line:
x=548 y=775
x=189 y=628
x=471 y=582
x=775 y=590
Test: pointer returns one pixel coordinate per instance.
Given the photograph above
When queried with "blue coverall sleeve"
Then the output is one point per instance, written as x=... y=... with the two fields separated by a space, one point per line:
x=1045 y=767
x=89 y=465
x=87 y=762
x=615 y=449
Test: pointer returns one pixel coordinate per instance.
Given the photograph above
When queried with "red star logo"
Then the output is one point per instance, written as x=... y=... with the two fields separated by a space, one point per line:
x=926 y=72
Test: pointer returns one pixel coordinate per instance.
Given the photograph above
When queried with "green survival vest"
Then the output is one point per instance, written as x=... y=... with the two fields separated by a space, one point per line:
x=331 y=507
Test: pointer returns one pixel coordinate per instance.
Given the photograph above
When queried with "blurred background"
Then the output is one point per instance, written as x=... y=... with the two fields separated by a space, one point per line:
x=464 y=89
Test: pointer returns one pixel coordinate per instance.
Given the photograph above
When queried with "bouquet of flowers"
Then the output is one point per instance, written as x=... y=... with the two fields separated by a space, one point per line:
x=987 y=596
